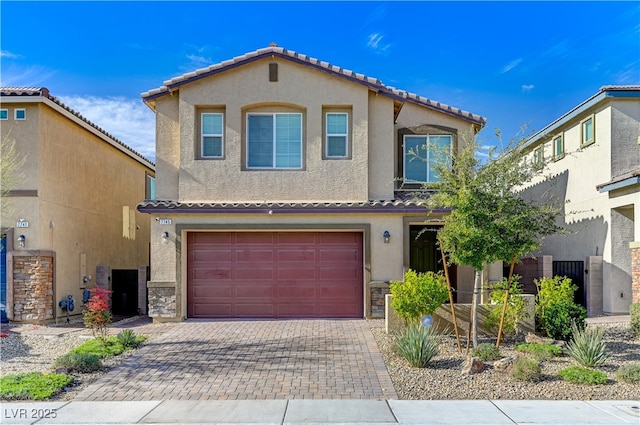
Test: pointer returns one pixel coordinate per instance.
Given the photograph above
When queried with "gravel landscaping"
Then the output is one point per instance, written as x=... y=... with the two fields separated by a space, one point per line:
x=444 y=378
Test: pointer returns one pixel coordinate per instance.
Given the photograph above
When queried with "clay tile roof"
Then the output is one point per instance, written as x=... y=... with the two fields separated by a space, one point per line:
x=274 y=50
x=44 y=92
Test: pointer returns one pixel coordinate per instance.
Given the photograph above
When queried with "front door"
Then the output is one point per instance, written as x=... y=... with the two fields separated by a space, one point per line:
x=3 y=279
x=424 y=253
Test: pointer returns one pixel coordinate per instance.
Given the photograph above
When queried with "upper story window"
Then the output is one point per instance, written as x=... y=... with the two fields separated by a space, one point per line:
x=20 y=114
x=150 y=187
x=422 y=153
x=274 y=140
x=4 y=114
x=587 y=131
x=211 y=135
x=558 y=147
x=538 y=157
x=336 y=135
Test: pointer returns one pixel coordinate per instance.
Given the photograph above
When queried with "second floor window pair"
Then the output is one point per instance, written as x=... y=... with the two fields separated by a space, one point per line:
x=422 y=154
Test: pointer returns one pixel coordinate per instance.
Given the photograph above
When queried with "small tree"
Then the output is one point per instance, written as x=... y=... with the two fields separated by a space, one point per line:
x=96 y=314
x=489 y=221
x=420 y=294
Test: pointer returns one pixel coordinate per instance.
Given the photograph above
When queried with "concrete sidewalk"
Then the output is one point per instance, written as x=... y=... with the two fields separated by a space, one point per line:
x=476 y=412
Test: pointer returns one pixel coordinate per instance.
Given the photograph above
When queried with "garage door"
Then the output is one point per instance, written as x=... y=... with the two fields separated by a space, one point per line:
x=274 y=274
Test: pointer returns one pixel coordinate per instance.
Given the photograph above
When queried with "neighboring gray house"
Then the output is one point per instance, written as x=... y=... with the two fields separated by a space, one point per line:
x=281 y=189
x=590 y=160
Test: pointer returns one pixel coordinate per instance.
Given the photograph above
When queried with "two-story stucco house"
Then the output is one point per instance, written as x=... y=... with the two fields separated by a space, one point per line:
x=282 y=187
x=590 y=162
x=71 y=221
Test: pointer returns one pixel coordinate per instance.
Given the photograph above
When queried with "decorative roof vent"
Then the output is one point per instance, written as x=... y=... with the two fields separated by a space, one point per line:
x=273 y=44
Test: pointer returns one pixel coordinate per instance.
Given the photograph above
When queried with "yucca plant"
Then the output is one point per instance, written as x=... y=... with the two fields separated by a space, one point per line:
x=418 y=345
x=587 y=347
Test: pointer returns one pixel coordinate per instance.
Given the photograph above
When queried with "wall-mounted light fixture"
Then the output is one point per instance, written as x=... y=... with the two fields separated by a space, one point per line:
x=386 y=235
x=21 y=241
x=165 y=237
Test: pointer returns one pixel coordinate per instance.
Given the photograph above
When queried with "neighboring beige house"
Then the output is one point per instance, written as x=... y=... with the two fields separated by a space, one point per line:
x=284 y=189
x=590 y=162
x=72 y=222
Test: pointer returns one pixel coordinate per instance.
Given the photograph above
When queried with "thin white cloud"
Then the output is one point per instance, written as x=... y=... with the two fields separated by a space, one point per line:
x=19 y=76
x=375 y=42
x=198 y=57
x=526 y=88
x=511 y=65
x=128 y=120
x=7 y=54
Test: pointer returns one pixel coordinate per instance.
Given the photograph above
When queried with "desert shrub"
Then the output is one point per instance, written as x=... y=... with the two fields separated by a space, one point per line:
x=634 y=311
x=486 y=352
x=33 y=386
x=515 y=307
x=128 y=339
x=629 y=373
x=553 y=290
x=75 y=362
x=526 y=370
x=418 y=345
x=540 y=351
x=418 y=295
x=583 y=375
x=559 y=318
x=587 y=347
x=96 y=315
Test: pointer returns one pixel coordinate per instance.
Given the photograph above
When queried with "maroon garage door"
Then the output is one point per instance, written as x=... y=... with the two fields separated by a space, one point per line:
x=274 y=274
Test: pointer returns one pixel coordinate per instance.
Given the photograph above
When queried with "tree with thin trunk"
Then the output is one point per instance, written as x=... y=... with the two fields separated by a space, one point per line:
x=489 y=221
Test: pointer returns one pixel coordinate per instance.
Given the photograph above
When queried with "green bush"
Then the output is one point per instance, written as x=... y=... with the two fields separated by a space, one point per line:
x=552 y=290
x=634 y=311
x=420 y=294
x=75 y=362
x=526 y=370
x=33 y=386
x=100 y=347
x=629 y=373
x=486 y=352
x=418 y=345
x=128 y=339
x=559 y=317
x=583 y=375
x=587 y=347
x=539 y=351
x=515 y=307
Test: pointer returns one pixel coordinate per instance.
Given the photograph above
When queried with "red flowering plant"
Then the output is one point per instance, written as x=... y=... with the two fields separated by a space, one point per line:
x=96 y=314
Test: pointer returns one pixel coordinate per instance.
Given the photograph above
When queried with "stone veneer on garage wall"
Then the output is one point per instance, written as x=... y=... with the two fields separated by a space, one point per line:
x=32 y=287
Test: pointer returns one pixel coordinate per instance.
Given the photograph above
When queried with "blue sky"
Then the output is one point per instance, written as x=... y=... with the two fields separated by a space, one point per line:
x=515 y=63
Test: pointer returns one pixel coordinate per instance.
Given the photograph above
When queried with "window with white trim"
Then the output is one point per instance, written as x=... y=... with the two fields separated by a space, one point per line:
x=337 y=135
x=422 y=153
x=587 y=131
x=20 y=114
x=538 y=157
x=4 y=114
x=558 y=147
x=211 y=135
x=274 y=140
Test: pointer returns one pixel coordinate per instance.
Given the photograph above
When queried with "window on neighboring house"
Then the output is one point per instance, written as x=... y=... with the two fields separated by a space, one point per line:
x=587 y=131
x=212 y=135
x=538 y=157
x=20 y=114
x=150 y=187
x=274 y=140
x=558 y=147
x=421 y=155
x=4 y=114
x=336 y=135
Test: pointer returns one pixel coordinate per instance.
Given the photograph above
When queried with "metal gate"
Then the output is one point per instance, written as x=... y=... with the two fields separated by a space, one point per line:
x=574 y=270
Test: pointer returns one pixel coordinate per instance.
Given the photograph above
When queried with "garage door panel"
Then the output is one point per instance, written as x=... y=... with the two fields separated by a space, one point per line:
x=275 y=274
x=309 y=273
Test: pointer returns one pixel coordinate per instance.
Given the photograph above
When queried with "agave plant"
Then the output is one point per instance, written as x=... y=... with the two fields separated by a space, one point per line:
x=418 y=344
x=587 y=346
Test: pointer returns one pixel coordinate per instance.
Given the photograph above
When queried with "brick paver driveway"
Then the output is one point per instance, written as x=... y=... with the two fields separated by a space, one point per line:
x=245 y=360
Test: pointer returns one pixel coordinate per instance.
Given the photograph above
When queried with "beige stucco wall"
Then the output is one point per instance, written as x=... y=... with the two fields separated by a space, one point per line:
x=83 y=184
x=589 y=214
